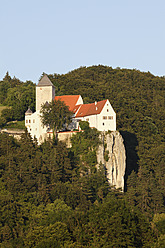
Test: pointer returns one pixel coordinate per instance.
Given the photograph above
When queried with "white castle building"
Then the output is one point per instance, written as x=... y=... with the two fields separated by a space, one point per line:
x=99 y=114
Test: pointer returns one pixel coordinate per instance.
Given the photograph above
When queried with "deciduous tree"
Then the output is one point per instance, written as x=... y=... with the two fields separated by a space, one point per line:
x=56 y=115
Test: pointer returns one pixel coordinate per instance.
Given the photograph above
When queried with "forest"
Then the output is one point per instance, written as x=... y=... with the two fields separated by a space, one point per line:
x=53 y=196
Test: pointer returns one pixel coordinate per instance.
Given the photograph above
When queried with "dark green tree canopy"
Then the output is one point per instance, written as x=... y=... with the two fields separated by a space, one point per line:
x=53 y=196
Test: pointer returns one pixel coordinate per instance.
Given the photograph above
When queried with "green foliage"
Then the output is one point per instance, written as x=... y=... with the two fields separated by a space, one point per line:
x=56 y=115
x=114 y=224
x=2 y=121
x=51 y=196
x=16 y=125
x=17 y=95
x=159 y=227
x=2 y=107
x=84 y=145
x=106 y=155
x=7 y=114
x=84 y=125
x=46 y=201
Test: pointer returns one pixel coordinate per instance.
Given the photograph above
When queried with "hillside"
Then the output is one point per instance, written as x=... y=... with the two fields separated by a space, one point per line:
x=43 y=192
x=138 y=99
x=133 y=94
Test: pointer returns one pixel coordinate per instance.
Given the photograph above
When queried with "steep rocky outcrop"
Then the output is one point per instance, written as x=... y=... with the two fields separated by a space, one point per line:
x=111 y=153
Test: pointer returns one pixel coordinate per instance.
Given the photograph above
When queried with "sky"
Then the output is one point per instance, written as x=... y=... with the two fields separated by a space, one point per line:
x=58 y=36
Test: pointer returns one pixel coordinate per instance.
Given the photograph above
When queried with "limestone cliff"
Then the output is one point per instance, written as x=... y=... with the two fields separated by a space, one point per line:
x=111 y=153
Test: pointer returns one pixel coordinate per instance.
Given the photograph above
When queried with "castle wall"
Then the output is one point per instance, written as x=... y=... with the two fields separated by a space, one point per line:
x=63 y=136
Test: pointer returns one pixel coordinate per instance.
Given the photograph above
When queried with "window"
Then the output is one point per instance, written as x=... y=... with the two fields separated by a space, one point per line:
x=110 y=117
x=33 y=120
x=107 y=110
x=103 y=123
x=87 y=119
x=29 y=121
x=104 y=117
x=26 y=121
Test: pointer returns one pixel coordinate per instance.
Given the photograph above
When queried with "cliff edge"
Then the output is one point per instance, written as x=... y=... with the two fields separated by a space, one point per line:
x=111 y=153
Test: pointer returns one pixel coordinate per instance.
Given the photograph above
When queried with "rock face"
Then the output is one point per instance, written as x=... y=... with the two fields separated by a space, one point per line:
x=111 y=153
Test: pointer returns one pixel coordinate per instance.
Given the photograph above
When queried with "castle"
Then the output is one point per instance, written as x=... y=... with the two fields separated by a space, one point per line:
x=99 y=114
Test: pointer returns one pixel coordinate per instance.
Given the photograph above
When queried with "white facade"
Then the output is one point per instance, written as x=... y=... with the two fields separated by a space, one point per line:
x=107 y=118
x=34 y=126
x=45 y=92
x=100 y=115
x=103 y=121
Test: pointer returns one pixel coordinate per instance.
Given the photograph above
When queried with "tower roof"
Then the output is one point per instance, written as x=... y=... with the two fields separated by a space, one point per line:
x=28 y=112
x=45 y=81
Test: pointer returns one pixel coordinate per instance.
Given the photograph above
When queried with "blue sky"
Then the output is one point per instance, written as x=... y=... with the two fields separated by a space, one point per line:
x=49 y=36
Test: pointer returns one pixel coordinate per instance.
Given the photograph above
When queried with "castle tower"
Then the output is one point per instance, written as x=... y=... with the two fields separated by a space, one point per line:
x=45 y=92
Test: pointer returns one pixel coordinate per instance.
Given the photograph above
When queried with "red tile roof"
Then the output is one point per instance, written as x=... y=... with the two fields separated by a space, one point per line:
x=69 y=100
x=81 y=109
x=90 y=109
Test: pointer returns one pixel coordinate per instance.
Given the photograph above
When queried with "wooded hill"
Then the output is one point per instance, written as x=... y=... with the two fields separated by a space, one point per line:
x=45 y=201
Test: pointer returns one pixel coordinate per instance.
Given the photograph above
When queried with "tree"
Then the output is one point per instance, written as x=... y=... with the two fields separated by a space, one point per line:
x=7 y=77
x=56 y=115
x=7 y=114
x=20 y=98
